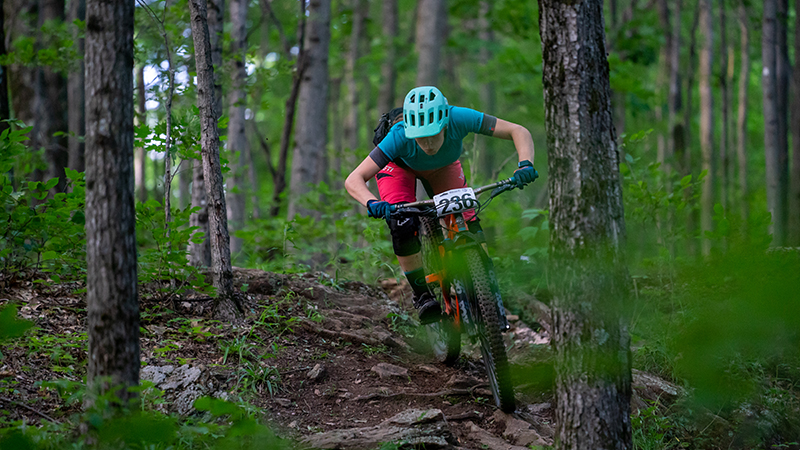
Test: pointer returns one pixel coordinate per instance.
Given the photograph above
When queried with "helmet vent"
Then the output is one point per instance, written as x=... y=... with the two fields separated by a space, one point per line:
x=422 y=119
x=430 y=117
x=446 y=111
x=422 y=98
x=412 y=98
x=432 y=96
x=440 y=115
x=413 y=116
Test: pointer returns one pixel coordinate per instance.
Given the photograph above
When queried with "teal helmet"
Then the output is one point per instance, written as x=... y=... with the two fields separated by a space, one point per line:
x=425 y=112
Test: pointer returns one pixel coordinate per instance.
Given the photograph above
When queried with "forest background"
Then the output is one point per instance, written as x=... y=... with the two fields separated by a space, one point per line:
x=704 y=110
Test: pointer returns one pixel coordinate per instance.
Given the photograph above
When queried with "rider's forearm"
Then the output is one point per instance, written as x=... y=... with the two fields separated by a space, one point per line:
x=523 y=143
x=357 y=187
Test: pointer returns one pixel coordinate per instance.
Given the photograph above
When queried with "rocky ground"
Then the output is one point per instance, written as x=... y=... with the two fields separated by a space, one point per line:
x=330 y=365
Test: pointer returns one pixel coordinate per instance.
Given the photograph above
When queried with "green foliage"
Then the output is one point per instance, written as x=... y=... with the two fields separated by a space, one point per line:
x=341 y=240
x=54 y=47
x=44 y=231
x=649 y=428
x=164 y=269
x=219 y=425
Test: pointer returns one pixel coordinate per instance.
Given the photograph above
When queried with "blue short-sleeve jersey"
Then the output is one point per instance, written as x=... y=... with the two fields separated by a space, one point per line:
x=397 y=147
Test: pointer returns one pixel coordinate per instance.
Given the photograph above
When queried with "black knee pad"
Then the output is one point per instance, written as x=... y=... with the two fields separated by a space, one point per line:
x=405 y=235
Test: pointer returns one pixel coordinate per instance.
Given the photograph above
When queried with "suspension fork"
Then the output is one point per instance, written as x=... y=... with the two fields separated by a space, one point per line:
x=451 y=308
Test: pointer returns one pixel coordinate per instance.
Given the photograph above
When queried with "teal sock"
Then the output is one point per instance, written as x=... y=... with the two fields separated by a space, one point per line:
x=416 y=278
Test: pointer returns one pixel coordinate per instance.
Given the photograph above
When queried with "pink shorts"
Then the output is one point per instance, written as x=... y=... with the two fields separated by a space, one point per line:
x=398 y=185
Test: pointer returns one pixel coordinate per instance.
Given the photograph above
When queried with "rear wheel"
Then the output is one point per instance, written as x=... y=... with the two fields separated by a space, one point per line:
x=484 y=288
x=443 y=336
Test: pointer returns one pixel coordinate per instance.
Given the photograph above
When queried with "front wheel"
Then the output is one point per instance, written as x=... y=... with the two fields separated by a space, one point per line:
x=484 y=288
x=444 y=336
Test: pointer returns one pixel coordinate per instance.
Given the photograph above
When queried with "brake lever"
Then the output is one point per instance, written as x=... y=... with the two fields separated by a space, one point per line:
x=500 y=189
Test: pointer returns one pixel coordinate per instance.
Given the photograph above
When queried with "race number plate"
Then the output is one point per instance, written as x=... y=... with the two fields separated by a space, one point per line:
x=455 y=201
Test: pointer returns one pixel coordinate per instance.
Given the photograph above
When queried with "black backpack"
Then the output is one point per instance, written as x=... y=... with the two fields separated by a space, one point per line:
x=385 y=124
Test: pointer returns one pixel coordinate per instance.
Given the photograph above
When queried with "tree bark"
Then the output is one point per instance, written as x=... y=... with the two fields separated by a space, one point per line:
x=707 y=123
x=783 y=70
x=76 y=116
x=794 y=194
x=5 y=112
x=431 y=20
x=52 y=96
x=141 y=117
x=725 y=107
x=674 y=128
x=237 y=138
x=22 y=78
x=312 y=109
x=386 y=94
x=352 y=78
x=776 y=172
x=684 y=155
x=200 y=254
x=741 y=115
x=485 y=149
x=291 y=106
x=226 y=306
x=111 y=283
x=588 y=275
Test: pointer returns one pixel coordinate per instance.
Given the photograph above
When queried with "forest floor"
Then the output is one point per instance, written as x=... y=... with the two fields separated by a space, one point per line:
x=330 y=365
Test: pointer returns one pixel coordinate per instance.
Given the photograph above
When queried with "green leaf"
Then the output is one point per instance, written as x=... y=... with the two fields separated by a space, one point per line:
x=51 y=183
x=79 y=218
x=49 y=255
x=10 y=326
x=215 y=406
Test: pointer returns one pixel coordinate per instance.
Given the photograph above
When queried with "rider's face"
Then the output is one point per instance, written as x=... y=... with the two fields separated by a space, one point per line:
x=431 y=144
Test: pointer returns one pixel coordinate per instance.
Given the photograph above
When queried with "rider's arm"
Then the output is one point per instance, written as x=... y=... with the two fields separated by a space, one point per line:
x=517 y=133
x=356 y=182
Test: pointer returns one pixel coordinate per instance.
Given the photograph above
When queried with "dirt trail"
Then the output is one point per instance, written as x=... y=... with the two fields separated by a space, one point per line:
x=331 y=365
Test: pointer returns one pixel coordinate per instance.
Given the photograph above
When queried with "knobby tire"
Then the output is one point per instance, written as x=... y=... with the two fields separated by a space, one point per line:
x=443 y=337
x=484 y=287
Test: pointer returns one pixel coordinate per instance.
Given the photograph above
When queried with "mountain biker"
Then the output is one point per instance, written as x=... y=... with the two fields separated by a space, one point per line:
x=423 y=141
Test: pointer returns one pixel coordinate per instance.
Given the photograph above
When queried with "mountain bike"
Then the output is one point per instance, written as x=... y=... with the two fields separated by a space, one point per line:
x=461 y=275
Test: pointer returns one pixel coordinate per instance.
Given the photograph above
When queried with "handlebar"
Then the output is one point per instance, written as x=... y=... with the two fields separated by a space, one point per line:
x=429 y=205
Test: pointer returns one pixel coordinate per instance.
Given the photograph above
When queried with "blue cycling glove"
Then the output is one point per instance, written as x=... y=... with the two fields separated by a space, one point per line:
x=525 y=174
x=379 y=209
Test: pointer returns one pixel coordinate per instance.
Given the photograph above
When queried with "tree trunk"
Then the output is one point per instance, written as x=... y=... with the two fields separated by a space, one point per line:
x=485 y=149
x=684 y=155
x=674 y=129
x=140 y=158
x=312 y=109
x=386 y=94
x=588 y=275
x=111 y=285
x=725 y=92
x=335 y=106
x=200 y=254
x=794 y=195
x=775 y=171
x=352 y=78
x=431 y=20
x=226 y=306
x=5 y=113
x=291 y=105
x=237 y=138
x=741 y=116
x=21 y=78
x=707 y=123
x=52 y=96
x=76 y=94
x=184 y=183
x=783 y=70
